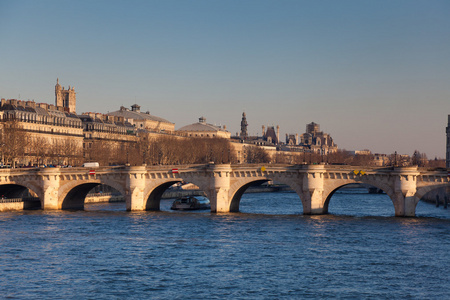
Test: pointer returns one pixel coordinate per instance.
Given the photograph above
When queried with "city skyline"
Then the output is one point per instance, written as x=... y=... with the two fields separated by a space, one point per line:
x=372 y=74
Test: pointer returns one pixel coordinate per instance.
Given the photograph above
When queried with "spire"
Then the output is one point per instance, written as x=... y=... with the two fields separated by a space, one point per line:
x=244 y=125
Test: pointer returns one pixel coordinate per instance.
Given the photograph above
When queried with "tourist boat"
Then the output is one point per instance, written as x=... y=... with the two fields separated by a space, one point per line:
x=191 y=203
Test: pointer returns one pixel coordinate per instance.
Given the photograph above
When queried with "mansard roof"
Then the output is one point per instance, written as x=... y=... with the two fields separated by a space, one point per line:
x=90 y=119
x=37 y=110
x=136 y=115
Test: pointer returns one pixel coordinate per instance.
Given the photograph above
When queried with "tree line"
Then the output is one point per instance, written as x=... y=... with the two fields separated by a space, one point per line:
x=19 y=146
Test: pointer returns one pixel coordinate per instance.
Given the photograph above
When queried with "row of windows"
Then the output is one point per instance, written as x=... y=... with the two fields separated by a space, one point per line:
x=108 y=129
x=201 y=135
x=34 y=118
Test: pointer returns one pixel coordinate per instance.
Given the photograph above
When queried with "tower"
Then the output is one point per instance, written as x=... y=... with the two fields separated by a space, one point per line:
x=65 y=98
x=312 y=128
x=447 y=161
x=244 y=125
x=278 y=134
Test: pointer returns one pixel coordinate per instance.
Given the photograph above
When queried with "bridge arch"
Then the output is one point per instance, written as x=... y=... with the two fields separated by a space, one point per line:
x=73 y=194
x=18 y=189
x=331 y=189
x=238 y=188
x=422 y=191
x=153 y=192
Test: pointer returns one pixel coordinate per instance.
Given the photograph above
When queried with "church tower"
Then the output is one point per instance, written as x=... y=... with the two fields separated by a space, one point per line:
x=244 y=125
x=65 y=98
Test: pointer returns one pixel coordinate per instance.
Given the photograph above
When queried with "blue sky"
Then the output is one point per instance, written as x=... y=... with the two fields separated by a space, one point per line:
x=373 y=74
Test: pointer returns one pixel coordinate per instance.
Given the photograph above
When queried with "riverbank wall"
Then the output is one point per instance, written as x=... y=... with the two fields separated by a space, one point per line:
x=19 y=204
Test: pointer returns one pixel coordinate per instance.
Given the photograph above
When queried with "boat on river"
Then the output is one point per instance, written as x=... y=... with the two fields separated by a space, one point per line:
x=191 y=203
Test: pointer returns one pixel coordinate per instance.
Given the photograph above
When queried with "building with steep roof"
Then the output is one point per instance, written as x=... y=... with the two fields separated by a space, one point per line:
x=144 y=120
x=270 y=135
x=316 y=140
x=47 y=127
x=203 y=129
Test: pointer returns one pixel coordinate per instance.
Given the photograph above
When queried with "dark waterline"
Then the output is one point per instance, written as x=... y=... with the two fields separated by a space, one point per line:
x=267 y=251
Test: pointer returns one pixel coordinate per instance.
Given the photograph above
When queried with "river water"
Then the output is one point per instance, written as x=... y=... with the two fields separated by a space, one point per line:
x=267 y=251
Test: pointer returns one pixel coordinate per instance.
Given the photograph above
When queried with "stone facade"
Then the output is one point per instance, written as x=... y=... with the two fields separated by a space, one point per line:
x=99 y=127
x=45 y=124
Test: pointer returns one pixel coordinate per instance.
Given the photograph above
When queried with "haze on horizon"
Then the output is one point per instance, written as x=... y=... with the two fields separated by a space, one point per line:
x=374 y=74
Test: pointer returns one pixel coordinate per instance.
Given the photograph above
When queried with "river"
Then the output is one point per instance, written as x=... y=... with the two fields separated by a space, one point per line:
x=267 y=251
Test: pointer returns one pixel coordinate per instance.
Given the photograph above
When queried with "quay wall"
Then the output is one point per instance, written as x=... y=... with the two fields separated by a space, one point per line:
x=18 y=204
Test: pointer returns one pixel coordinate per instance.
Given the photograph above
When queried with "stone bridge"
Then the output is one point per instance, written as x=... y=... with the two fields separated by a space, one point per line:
x=142 y=186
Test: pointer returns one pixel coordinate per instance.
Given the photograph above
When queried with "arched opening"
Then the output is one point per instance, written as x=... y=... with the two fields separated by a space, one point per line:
x=154 y=199
x=434 y=203
x=266 y=197
x=24 y=197
x=164 y=196
x=93 y=196
x=359 y=199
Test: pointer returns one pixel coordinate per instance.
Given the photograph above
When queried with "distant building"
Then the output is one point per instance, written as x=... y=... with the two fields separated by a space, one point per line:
x=47 y=127
x=204 y=130
x=361 y=152
x=316 y=140
x=53 y=131
x=270 y=135
x=144 y=120
x=292 y=139
x=381 y=160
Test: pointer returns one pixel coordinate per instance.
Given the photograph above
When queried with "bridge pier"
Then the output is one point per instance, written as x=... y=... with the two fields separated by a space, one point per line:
x=219 y=188
x=50 y=187
x=313 y=186
x=405 y=187
x=134 y=194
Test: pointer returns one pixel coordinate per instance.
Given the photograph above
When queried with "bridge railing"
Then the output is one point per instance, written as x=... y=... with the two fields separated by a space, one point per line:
x=13 y=200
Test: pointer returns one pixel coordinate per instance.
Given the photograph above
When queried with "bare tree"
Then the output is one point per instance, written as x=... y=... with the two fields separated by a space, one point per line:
x=13 y=141
x=40 y=147
x=255 y=155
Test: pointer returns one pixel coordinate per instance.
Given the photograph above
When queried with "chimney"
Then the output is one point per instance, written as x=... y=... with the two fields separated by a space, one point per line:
x=136 y=108
x=31 y=104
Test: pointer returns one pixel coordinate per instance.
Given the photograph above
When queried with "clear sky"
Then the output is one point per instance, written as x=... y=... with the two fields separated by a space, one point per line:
x=373 y=74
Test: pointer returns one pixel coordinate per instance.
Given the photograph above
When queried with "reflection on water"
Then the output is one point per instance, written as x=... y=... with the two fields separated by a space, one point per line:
x=268 y=250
